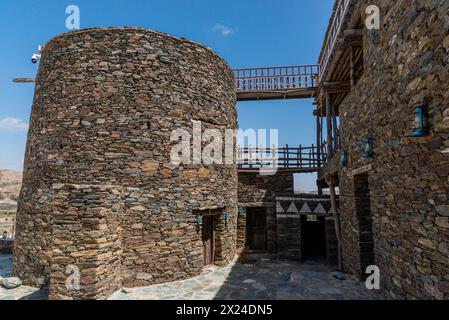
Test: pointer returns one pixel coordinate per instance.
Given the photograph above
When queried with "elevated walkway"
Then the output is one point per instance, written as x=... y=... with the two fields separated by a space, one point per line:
x=269 y=83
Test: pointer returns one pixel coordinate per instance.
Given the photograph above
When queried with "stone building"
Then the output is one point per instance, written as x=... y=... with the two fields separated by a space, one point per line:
x=392 y=177
x=100 y=195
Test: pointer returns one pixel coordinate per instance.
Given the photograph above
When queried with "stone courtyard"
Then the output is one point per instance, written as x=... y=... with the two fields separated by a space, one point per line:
x=261 y=279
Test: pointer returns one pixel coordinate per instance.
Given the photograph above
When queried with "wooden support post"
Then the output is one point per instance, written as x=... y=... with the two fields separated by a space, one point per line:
x=336 y=216
x=322 y=150
x=250 y=157
x=352 y=67
x=329 y=126
x=334 y=127
x=312 y=158
x=318 y=138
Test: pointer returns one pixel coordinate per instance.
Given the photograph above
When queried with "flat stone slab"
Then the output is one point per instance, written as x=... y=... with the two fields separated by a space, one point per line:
x=10 y=283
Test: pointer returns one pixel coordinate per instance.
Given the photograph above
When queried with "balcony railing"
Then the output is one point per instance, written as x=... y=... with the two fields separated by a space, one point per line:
x=331 y=39
x=297 y=159
x=276 y=78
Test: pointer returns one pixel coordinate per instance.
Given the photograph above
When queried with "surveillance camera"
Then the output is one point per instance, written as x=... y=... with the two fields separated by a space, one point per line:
x=35 y=57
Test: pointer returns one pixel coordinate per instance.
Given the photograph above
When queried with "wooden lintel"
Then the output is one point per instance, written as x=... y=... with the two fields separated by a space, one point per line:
x=361 y=170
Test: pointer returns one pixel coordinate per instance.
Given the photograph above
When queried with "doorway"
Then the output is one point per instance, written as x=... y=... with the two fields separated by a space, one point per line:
x=209 y=240
x=313 y=237
x=256 y=228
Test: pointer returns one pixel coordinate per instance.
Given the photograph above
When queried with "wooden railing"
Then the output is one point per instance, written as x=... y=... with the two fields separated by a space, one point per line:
x=276 y=78
x=331 y=39
x=298 y=159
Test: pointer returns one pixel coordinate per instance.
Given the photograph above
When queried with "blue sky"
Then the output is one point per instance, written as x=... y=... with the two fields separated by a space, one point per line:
x=247 y=33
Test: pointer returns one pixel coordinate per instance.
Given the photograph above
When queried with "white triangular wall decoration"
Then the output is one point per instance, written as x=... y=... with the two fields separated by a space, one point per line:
x=319 y=209
x=279 y=208
x=292 y=208
x=306 y=208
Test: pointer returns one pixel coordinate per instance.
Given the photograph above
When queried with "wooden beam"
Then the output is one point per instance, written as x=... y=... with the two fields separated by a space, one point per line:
x=335 y=84
x=353 y=33
x=343 y=44
x=23 y=80
x=337 y=87
x=339 y=91
x=329 y=125
x=334 y=125
x=351 y=38
x=318 y=139
x=352 y=67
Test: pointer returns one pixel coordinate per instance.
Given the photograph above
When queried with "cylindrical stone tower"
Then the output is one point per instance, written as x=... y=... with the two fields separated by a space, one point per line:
x=101 y=200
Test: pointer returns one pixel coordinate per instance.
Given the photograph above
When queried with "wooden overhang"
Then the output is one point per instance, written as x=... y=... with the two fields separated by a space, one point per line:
x=343 y=65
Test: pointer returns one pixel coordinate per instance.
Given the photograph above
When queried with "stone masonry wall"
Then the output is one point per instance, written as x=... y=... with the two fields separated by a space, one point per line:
x=241 y=227
x=289 y=237
x=257 y=190
x=405 y=61
x=105 y=106
x=272 y=232
x=95 y=213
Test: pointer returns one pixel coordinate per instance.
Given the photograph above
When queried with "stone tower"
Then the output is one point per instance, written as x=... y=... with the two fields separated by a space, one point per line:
x=101 y=197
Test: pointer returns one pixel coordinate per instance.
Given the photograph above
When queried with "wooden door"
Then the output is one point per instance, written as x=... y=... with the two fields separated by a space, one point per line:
x=208 y=240
x=257 y=229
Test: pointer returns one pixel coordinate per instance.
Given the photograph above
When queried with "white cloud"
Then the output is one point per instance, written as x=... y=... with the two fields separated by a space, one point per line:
x=222 y=29
x=13 y=124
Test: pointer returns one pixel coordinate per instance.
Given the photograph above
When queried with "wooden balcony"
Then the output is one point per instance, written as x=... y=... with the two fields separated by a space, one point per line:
x=289 y=159
x=268 y=83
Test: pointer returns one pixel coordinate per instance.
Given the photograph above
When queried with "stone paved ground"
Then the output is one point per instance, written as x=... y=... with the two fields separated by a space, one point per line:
x=21 y=293
x=264 y=279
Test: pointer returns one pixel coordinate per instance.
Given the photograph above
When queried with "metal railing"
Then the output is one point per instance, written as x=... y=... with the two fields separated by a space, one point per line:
x=331 y=39
x=293 y=158
x=276 y=78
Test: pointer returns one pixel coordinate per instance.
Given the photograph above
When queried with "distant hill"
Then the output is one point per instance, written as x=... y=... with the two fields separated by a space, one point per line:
x=325 y=192
x=10 y=182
